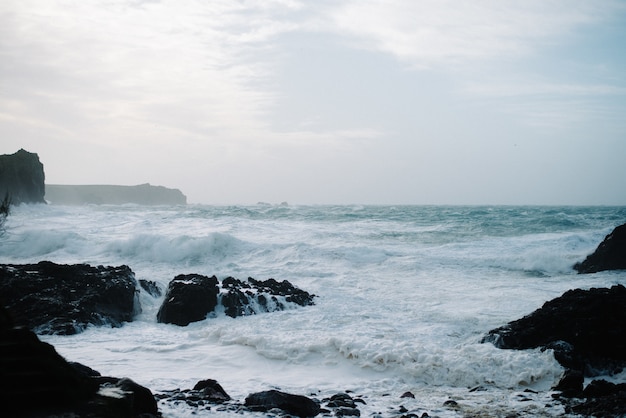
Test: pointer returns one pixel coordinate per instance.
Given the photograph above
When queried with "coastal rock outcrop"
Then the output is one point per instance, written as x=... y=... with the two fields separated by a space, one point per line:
x=35 y=381
x=191 y=298
x=50 y=298
x=142 y=194
x=610 y=254
x=585 y=328
x=22 y=177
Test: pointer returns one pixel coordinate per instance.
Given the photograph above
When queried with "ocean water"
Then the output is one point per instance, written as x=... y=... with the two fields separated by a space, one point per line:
x=404 y=296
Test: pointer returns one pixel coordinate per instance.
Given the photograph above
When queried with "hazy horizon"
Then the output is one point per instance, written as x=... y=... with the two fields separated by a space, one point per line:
x=352 y=102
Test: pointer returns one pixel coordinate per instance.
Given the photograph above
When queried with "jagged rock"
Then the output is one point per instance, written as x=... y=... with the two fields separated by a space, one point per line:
x=51 y=298
x=22 y=177
x=601 y=399
x=586 y=328
x=35 y=381
x=273 y=399
x=191 y=298
x=151 y=288
x=610 y=254
x=204 y=394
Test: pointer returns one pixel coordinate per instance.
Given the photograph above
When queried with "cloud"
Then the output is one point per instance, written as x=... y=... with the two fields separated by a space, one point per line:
x=434 y=33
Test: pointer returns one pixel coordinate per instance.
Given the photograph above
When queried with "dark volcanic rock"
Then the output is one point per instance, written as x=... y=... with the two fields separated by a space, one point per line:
x=35 y=381
x=189 y=298
x=51 y=298
x=610 y=254
x=293 y=404
x=22 y=177
x=586 y=328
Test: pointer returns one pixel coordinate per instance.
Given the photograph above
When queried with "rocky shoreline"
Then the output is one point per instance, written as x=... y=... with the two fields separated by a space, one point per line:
x=586 y=330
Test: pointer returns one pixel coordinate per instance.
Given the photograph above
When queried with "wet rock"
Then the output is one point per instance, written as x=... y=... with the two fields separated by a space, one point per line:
x=610 y=254
x=51 y=298
x=189 y=298
x=36 y=381
x=586 y=329
x=151 y=288
x=273 y=399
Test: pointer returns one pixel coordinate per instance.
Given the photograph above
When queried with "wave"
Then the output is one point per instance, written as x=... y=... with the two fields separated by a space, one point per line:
x=183 y=249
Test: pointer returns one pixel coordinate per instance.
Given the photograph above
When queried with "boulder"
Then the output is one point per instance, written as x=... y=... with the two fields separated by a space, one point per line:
x=298 y=405
x=585 y=328
x=51 y=298
x=193 y=297
x=22 y=178
x=610 y=254
x=189 y=298
x=35 y=381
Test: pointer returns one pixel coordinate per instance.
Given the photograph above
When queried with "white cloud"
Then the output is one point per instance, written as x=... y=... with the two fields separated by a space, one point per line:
x=431 y=33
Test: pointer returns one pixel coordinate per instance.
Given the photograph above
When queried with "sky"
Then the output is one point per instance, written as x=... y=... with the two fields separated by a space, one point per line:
x=495 y=102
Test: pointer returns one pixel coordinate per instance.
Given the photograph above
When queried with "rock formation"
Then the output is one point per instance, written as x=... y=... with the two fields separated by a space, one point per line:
x=610 y=254
x=22 y=178
x=585 y=328
x=35 y=381
x=143 y=194
x=51 y=298
x=192 y=297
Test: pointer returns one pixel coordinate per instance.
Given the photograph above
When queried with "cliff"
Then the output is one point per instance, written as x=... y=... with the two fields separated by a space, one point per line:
x=22 y=177
x=143 y=194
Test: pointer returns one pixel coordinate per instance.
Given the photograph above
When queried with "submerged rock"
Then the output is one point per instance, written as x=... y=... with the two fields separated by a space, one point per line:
x=51 y=298
x=585 y=328
x=193 y=297
x=610 y=254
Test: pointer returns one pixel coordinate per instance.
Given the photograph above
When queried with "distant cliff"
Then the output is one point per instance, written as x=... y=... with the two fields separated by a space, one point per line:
x=143 y=194
x=22 y=177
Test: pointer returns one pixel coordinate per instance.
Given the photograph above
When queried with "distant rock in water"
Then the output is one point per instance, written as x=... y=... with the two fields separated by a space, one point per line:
x=585 y=328
x=143 y=194
x=22 y=177
x=190 y=298
x=51 y=298
x=610 y=254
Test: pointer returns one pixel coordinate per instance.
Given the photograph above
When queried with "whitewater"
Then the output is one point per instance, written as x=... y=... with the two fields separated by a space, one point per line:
x=404 y=295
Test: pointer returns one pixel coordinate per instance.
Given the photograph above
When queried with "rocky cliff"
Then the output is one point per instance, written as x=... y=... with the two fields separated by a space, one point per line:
x=143 y=194
x=22 y=177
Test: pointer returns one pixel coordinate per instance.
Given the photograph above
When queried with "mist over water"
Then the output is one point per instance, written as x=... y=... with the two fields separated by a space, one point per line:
x=404 y=295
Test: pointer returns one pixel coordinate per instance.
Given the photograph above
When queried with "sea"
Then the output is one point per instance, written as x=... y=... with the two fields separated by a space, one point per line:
x=404 y=295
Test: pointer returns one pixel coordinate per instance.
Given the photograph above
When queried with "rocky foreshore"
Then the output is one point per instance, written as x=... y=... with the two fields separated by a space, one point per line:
x=586 y=329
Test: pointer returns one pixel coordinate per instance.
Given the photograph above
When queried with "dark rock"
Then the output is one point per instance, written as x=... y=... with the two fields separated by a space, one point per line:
x=192 y=299
x=341 y=400
x=22 y=178
x=602 y=399
x=212 y=390
x=293 y=404
x=571 y=384
x=591 y=323
x=610 y=254
x=189 y=298
x=347 y=412
x=151 y=288
x=35 y=381
x=408 y=395
x=51 y=298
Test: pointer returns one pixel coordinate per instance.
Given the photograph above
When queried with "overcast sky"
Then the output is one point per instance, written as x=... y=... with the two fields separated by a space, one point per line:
x=362 y=101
